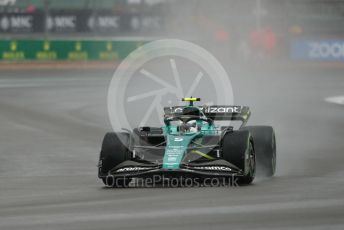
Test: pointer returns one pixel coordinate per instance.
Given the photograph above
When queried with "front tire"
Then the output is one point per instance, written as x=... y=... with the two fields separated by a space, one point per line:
x=238 y=149
x=115 y=150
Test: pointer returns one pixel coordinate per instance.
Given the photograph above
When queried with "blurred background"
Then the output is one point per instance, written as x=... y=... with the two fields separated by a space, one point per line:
x=244 y=30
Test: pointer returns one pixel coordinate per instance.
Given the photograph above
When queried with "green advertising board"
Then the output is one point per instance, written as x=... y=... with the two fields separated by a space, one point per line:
x=65 y=50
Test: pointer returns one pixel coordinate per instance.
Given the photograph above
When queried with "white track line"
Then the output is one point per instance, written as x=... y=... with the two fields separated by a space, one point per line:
x=336 y=100
x=28 y=219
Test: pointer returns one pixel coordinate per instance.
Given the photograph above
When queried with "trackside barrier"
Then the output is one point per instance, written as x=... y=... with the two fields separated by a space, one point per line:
x=66 y=50
x=317 y=50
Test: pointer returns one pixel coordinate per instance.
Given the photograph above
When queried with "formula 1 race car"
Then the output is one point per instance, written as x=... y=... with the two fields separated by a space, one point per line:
x=190 y=145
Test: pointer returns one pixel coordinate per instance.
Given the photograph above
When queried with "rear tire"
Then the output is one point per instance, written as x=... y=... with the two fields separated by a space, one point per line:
x=115 y=150
x=238 y=149
x=265 y=147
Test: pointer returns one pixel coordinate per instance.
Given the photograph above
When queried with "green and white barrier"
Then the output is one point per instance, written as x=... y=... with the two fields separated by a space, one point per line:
x=65 y=50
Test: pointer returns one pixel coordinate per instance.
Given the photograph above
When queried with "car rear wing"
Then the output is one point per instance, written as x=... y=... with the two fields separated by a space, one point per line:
x=217 y=112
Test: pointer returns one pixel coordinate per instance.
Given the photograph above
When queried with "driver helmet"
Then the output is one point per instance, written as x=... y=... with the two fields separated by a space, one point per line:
x=192 y=126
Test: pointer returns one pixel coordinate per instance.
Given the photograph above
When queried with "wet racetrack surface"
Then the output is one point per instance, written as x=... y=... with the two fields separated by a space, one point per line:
x=52 y=124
